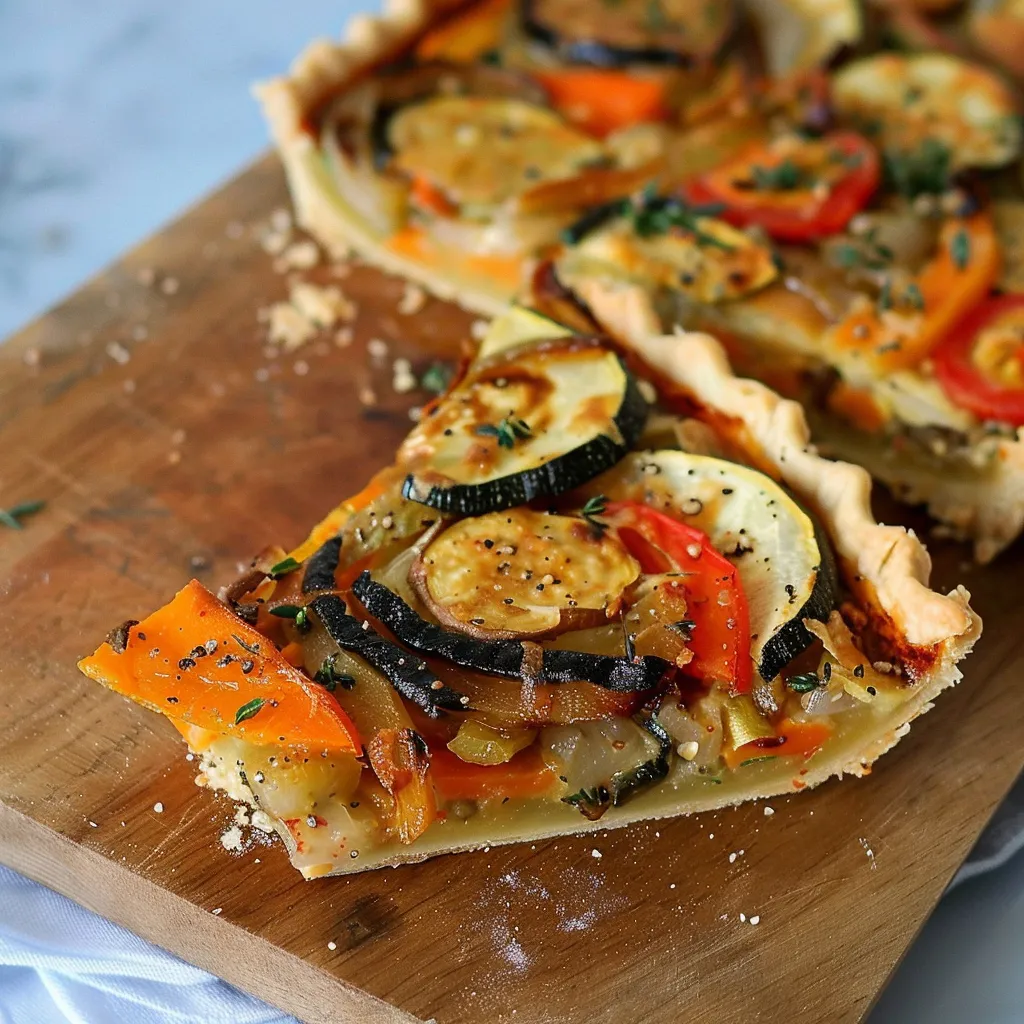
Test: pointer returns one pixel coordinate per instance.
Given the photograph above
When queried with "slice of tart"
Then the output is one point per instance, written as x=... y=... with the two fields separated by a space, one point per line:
x=578 y=599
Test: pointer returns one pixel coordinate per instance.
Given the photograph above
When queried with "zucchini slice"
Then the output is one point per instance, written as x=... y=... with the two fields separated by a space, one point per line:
x=699 y=257
x=911 y=99
x=523 y=574
x=534 y=422
x=480 y=151
x=784 y=561
x=518 y=326
x=511 y=659
x=624 y=32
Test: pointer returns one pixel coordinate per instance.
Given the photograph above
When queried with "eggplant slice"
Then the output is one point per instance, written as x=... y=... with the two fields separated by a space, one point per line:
x=624 y=32
x=407 y=674
x=535 y=422
x=510 y=659
x=784 y=561
x=523 y=574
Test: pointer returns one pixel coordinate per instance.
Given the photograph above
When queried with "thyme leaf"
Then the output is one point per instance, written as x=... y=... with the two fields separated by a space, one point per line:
x=11 y=517
x=249 y=709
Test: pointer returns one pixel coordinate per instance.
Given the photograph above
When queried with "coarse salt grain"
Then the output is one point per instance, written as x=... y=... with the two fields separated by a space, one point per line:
x=332 y=946
x=158 y=807
x=756 y=919
x=477 y=329
x=596 y=854
x=93 y=824
x=743 y=918
x=170 y=286
x=216 y=911
x=118 y=352
x=769 y=811
x=377 y=347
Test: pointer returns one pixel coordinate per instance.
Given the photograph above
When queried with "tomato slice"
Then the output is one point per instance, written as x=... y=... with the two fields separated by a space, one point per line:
x=239 y=685
x=980 y=364
x=796 y=189
x=715 y=600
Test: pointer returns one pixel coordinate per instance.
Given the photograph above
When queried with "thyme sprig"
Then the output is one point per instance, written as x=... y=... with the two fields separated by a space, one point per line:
x=12 y=517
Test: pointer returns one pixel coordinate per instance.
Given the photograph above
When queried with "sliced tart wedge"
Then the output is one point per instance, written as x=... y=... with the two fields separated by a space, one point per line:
x=712 y=620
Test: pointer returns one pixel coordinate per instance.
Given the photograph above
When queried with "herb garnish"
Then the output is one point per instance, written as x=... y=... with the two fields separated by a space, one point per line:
x=436 y=378
x=593 y=508
x=960 y=249
x=803 y=683
x=657 y=215
x=11 y=517
x=916 y=171
x=754 y=760
x=285 y=566
x=913 y=297
x=292 y=611
x=684 y=627
x=508 y=431
x=783 y=177
x=246 y=711
x=591 y=803
x=328 y=676
x=885 y=295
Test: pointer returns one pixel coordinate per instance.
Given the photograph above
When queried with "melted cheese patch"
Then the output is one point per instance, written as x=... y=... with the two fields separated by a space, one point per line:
x=523 y=572
x=481 y=151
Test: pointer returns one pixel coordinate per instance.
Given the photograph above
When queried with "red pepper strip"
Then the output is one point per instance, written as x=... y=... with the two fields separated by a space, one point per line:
x=239 y=686
x=980 y=364
x=715 y=599
x=794 y=739
x=796 y=191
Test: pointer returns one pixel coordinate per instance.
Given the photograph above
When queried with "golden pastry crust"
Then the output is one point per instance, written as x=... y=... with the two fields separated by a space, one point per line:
x=987 y=509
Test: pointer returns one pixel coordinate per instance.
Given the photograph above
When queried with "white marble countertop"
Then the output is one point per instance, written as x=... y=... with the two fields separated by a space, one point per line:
x=114 y=117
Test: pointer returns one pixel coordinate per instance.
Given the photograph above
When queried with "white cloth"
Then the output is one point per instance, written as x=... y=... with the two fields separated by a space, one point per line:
x=60 y=963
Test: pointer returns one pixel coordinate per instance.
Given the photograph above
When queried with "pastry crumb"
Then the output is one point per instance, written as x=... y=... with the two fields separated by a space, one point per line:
x=118 y=353
x=231 y=840
x=301 y=255
x=413 y=299
x=288 y=327
x=146 y=277
x=478 y=328
x=170 y=286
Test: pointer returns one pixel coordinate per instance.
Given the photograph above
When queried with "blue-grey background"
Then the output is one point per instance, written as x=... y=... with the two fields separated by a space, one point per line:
x=114 y=116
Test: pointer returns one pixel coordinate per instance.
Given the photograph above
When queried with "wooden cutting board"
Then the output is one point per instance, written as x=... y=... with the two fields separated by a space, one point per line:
x=166 y=444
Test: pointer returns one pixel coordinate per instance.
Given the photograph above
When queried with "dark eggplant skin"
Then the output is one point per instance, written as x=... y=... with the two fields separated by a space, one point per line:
x=560 y=474
x=320 y=567
x=406 y=673
x=511 y=659
x=793 y=638
x=594 y=53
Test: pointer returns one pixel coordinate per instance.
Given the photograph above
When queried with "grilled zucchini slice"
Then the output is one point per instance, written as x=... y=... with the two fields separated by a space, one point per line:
x=784 y=561
x=533 y=422
x=906 y=100
x=518 y=326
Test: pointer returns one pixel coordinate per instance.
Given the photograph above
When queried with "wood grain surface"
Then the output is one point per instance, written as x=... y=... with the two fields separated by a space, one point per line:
x=166 y=444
